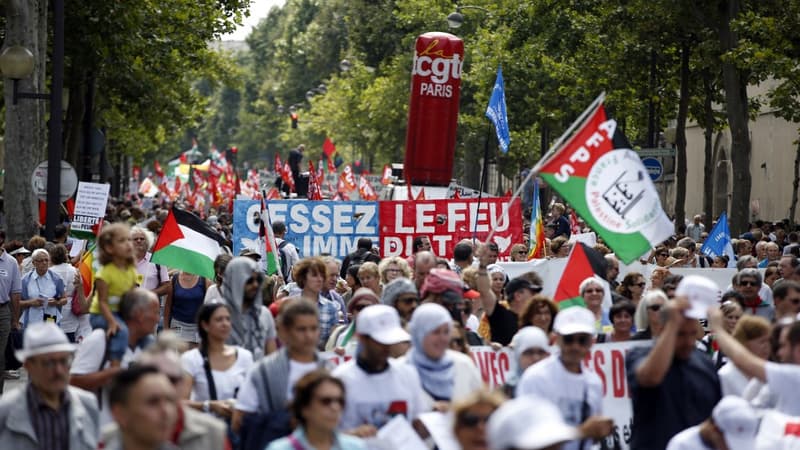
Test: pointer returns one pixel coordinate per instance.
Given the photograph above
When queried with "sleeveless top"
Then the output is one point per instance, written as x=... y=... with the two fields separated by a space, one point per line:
x=186 y=302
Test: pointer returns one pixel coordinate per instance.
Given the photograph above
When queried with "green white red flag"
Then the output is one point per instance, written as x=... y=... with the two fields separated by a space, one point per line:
x=605 y=182
x=583 y=262
x=187 y=243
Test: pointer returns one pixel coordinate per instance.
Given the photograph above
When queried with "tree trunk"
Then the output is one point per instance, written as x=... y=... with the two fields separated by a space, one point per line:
x=25 y=129
x=708 y=150
x=795 y=185
x=680 y=138
x=735 y=83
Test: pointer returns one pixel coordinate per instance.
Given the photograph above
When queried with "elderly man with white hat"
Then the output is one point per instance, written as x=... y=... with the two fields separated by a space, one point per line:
x=47 y=413
x=378 y=387
x=562 y=378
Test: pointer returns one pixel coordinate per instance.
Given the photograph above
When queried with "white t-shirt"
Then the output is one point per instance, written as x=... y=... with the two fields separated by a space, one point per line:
x=249 y=397
x=688 y=439
x=549 y=379
x=70 y=323
x=732 y=380
x=151 y=277
x=296 y=371
x=227 y=383
x=783 y=381
x=213 y=295
x=88 y=358
x=472 y=323
x=375 y=398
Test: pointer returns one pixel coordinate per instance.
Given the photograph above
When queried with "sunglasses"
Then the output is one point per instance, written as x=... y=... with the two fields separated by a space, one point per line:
x=328 y=401
x=663 y=255
x=749 y=283
x=408 y=300
x=255 y=279
x=581 y=339
x=470 y=420
x=641 y=285
x=655 y=308
x=49 y=364
x=593 y=291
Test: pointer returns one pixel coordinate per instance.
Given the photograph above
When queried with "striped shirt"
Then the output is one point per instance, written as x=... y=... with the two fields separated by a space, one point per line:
x=51 y=426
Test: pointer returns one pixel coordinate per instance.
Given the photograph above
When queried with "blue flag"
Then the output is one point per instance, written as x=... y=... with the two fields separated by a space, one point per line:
x=496 y=112
x=718 y=242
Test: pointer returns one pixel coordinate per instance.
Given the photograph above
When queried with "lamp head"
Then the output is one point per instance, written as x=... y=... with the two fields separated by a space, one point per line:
x=16 y=62
x=455 y=19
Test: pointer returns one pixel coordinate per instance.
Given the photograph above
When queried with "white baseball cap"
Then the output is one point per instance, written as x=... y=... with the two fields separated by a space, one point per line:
x=574 y=320
x=41 y=338
x=381 y=323
x=738 y=422
x=528 y=422
x=701 y=292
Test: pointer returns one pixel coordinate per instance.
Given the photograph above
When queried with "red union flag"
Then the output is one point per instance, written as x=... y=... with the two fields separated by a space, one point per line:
x=214 y=170
x=605 y=182
x=278 y=164
x=365 y=190
x=348 y=178
x=387 y=175
x=446 y=222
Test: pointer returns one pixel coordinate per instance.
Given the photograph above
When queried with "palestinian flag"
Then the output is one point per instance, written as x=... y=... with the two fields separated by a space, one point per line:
x=605 y=182
x=583 y=262
x=269 y=251
x=187 y=243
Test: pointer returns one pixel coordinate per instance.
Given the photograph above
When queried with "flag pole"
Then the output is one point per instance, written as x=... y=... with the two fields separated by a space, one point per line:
x=553 y=148
x=484 y=176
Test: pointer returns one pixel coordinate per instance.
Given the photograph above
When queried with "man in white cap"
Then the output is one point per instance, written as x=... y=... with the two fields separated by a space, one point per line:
x=378 y=388
x=563 y=380
x=534 y=423
x=47 y=413
x=732 y=426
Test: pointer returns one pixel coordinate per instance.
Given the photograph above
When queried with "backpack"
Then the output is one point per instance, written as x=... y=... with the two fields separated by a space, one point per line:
x=284 y=261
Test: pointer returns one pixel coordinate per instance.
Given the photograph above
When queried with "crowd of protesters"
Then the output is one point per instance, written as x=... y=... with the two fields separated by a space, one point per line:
x=155 y=357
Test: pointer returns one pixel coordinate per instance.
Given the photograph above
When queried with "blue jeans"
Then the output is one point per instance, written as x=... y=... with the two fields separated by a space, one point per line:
x=118 y=343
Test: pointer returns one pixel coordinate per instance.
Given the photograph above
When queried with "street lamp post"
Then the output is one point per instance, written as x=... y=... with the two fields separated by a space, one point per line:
x=16 y=63
x=456 y=19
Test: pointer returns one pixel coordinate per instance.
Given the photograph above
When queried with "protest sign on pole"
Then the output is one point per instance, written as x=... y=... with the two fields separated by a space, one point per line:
x=446 y=222
x=90 y=208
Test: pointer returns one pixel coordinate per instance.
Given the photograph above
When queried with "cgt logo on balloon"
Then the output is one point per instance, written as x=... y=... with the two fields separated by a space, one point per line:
x=446 y=222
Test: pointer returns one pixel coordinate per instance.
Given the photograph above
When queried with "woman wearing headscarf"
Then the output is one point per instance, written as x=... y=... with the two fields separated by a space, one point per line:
x=252 y=324
x=530 y=346
x=446 y=375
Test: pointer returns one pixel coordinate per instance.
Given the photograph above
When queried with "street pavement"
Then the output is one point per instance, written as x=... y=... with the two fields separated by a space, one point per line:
x=14 y=384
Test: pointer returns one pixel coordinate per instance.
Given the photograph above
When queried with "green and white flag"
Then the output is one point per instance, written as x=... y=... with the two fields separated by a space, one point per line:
x=605 y=182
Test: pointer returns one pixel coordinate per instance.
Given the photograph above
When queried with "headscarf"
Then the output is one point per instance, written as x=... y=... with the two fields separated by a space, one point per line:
x=437 y=376
x=527 y=338
x=246 y=330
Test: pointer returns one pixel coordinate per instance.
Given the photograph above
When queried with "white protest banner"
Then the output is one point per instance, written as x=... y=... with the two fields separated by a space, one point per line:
x=589 y=238
x=314 y=227
x=551 y=269
x=90 y=208
x=606 y=360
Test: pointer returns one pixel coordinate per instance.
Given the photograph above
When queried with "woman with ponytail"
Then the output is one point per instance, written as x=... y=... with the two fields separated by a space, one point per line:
x=215 y=370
